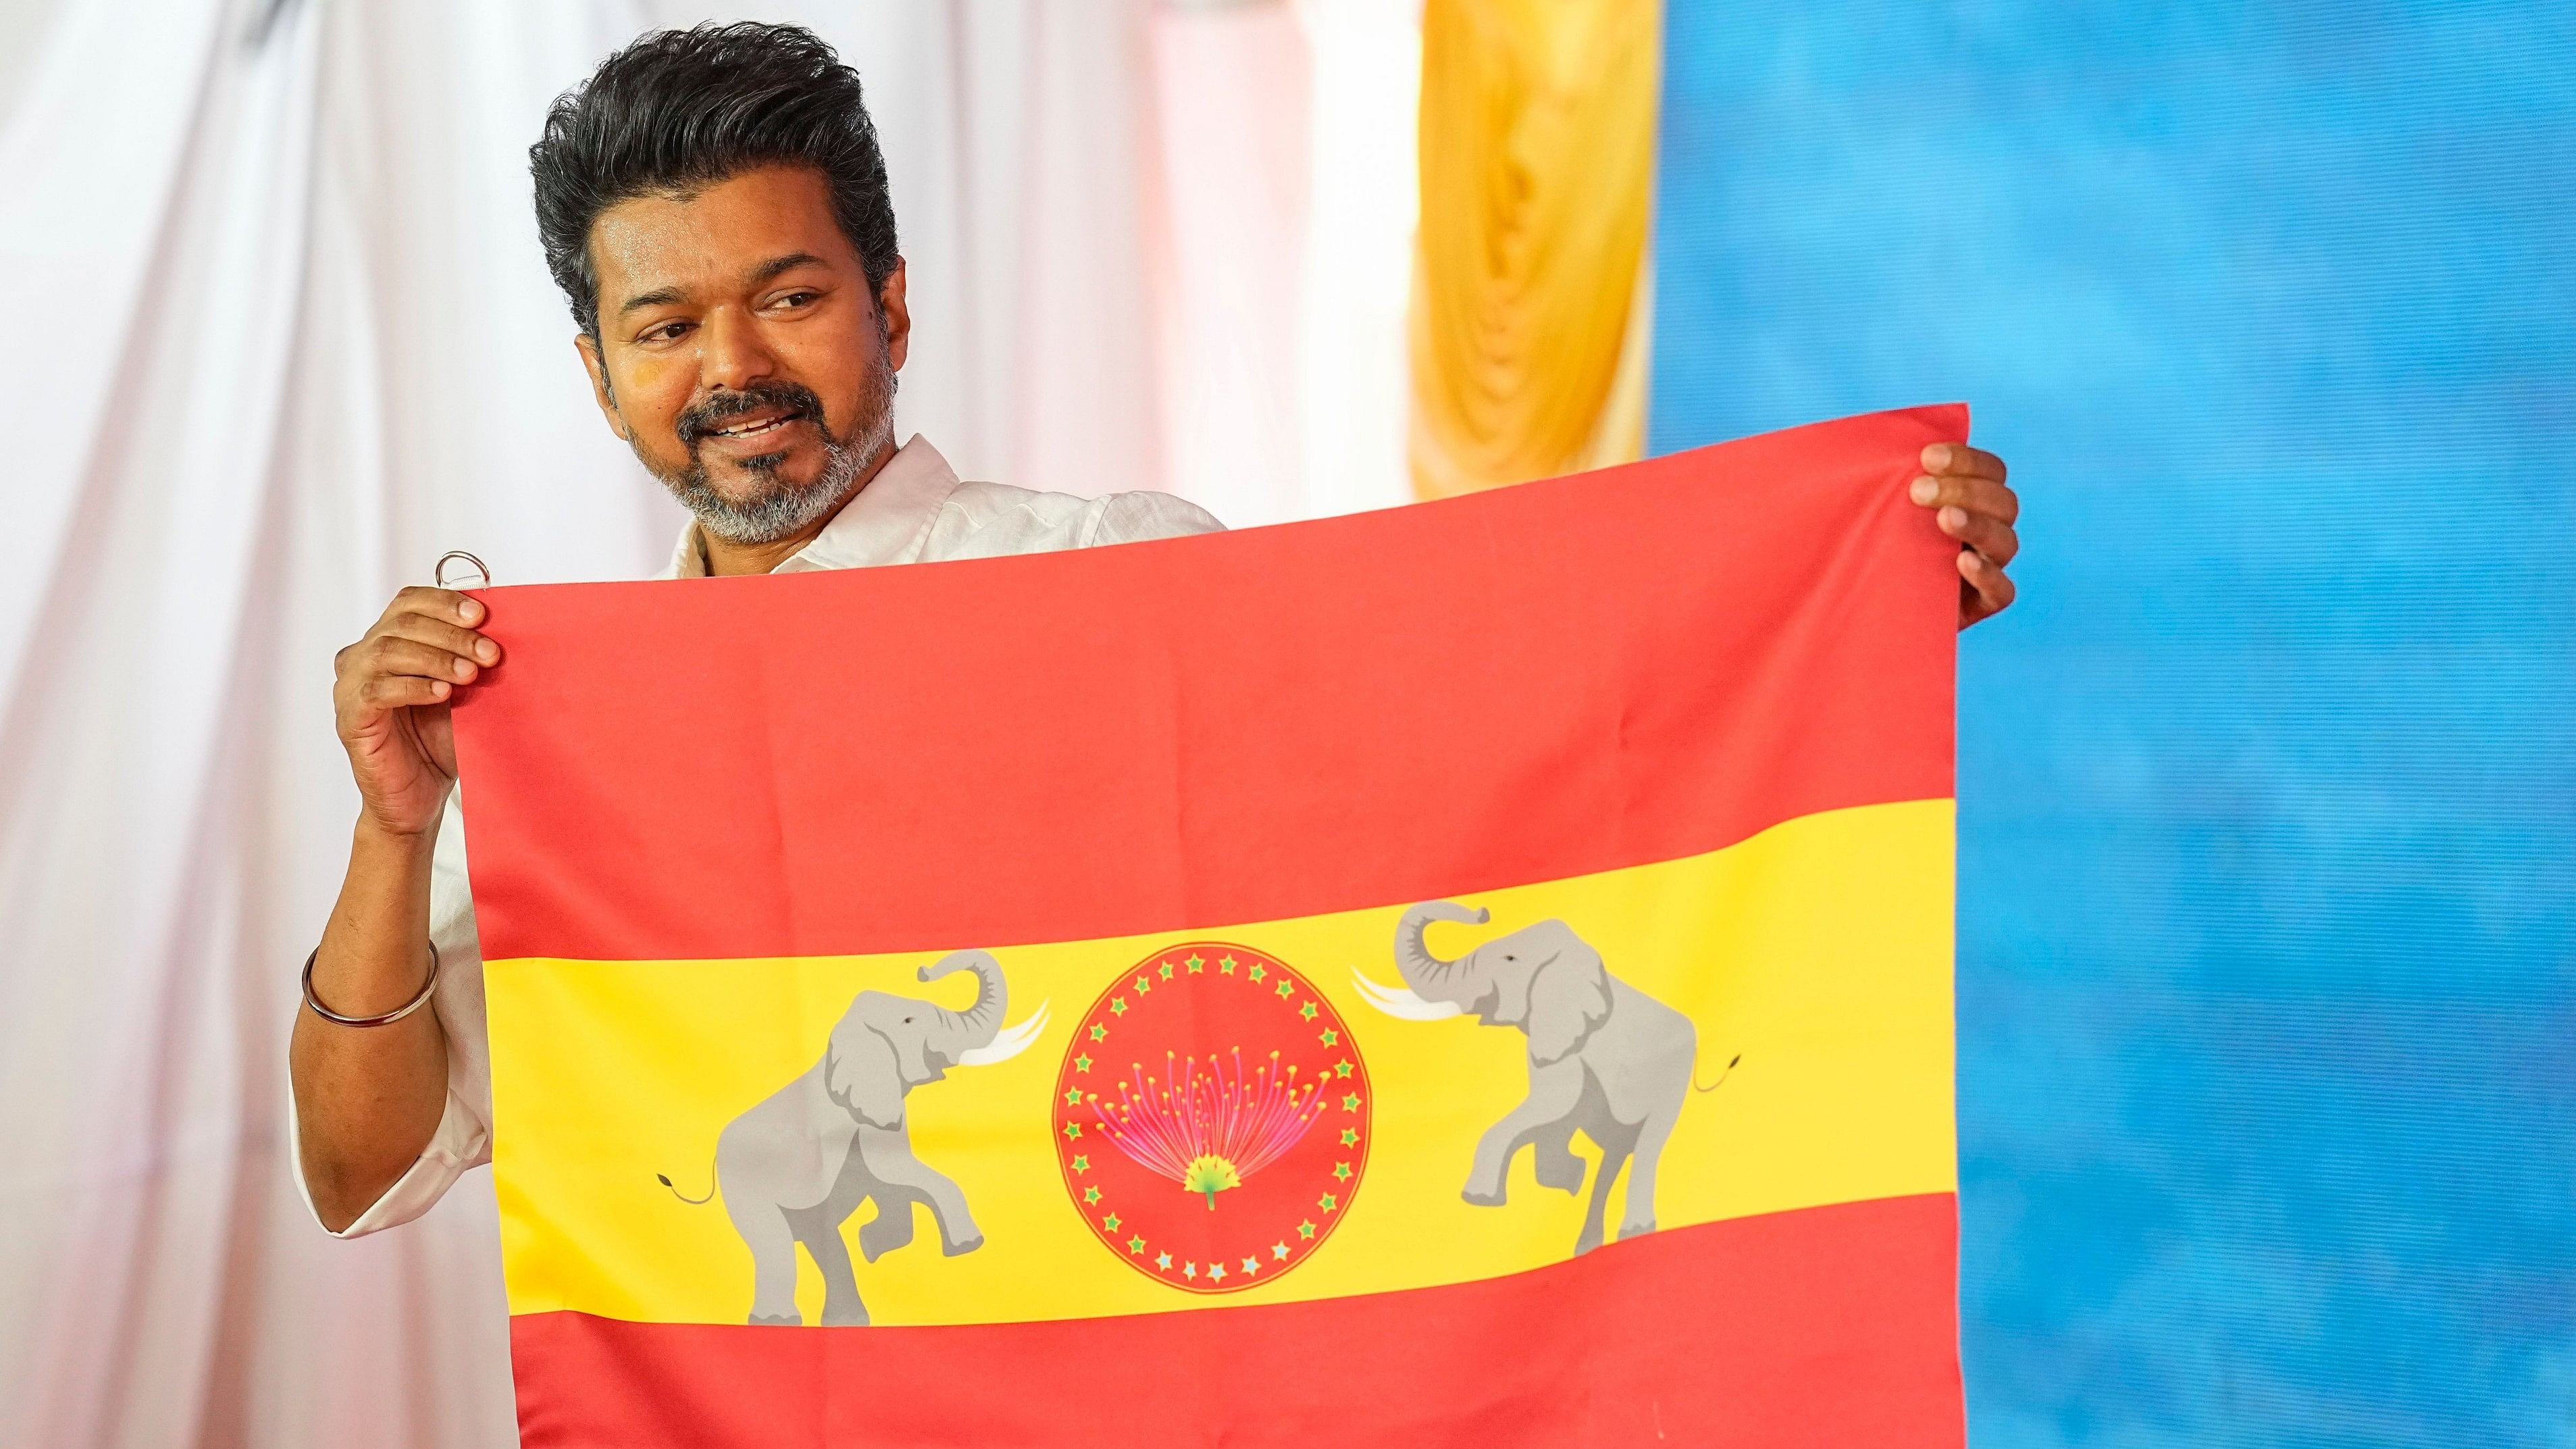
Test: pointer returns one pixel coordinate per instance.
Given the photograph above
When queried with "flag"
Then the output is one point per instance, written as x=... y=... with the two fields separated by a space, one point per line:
x=1478 y=972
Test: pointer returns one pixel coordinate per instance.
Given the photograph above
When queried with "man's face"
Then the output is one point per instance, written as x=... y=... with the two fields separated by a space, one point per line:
x=741 y=352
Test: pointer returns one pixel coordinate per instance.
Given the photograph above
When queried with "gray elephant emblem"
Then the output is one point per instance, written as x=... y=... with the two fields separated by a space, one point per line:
x=1605 y=1059
x=796 y=1166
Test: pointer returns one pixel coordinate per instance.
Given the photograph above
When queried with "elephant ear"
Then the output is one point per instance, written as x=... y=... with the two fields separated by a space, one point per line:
x=1568 y=997
x=861 y=1074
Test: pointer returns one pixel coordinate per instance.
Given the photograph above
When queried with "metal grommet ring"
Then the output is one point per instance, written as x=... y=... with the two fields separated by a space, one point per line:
x=438 y=574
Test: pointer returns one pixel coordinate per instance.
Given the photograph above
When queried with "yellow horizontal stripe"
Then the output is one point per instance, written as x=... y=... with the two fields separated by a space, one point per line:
x=1820 y=951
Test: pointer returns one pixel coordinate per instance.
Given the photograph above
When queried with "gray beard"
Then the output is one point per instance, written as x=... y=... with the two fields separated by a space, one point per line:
x=780 y=509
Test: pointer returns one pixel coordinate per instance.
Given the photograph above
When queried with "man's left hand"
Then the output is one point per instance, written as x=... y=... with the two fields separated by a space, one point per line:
x=1965 y=488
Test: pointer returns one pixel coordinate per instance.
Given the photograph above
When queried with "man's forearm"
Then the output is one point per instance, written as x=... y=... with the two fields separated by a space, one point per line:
x=368 y=1099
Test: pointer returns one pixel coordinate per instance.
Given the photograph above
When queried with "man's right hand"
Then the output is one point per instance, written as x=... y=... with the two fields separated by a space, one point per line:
x=368 y=1102
x=391 y=696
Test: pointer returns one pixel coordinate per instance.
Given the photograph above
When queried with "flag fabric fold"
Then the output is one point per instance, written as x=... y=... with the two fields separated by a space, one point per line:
x=1478 y=971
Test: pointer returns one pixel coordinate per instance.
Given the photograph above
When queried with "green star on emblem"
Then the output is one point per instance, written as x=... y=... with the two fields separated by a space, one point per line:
x=1110 y=1222
x=1082 y=1064
x=1167 y=970
x=1225 y=965
x=1118 y=1006
x=1350 y=1137
x=1135 y=1245
x=1090 y=1195
x=1072 y=1130
x=1307 y=1011
x=1082 y=1164
x=1342 y=1068
x=1330 y=1037
x=1144 y=984
x=1350 y=1101
x=1328 y=1202
x=1073 y=1096
x=1341 y=1172
x=1279 y=1252
x=1257 y=971
x=1195 y=962
x=1306 y=1229
x=1287 y=989
x=1099 y=1032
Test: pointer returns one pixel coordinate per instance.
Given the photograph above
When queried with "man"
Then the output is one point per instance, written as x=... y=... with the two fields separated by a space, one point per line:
x=713 y=203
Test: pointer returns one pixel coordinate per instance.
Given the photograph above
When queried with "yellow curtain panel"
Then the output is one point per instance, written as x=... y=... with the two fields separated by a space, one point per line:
x=1530 y=296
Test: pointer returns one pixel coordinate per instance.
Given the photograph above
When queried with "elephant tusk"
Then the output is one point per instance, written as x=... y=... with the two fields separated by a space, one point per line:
x=1009 y=1042
x=1400 y=1002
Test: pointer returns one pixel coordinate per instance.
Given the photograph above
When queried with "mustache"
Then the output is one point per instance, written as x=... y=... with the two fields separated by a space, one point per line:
x=718 y=409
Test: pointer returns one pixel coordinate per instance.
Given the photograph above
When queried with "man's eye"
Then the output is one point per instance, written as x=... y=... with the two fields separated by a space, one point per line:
x=798 y=299
x=667 y=332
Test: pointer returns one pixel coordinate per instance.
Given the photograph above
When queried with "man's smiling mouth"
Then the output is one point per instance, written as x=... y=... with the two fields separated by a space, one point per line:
x=755 y=417
x=753 y=427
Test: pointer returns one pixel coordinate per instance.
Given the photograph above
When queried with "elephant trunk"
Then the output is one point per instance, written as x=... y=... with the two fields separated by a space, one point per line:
x=1425 y=973
x=965 y=1031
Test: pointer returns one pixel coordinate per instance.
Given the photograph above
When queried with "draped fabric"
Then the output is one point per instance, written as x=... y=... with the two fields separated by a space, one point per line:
x=1537 y=155
x=284 y=335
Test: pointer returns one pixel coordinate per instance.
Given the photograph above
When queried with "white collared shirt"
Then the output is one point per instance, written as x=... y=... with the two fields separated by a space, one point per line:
x=913 y=511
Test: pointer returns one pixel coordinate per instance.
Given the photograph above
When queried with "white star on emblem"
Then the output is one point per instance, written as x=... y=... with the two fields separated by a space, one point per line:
x=1216 y=1272
x=1163 y=1261
x=1189 y=1270
x=1279 y=1251
x=1252 y=1265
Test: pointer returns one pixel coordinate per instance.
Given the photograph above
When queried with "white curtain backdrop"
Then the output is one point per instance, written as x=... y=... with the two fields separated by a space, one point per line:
x=283 y=334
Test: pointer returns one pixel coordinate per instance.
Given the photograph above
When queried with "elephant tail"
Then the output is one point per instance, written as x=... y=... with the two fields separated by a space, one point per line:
x=1695 y=1086
x=684 y=1197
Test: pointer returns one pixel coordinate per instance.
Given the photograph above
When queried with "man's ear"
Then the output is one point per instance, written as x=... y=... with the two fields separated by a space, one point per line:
x=898 y=317
x=600 y=391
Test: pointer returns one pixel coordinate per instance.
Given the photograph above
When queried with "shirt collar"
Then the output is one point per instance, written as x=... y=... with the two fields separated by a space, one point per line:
x=888 y=522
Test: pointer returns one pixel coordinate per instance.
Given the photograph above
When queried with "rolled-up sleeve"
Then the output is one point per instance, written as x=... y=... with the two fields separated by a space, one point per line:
x=463 y=1140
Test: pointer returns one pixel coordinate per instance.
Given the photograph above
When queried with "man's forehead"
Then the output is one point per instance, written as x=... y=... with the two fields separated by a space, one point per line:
x=722 y=233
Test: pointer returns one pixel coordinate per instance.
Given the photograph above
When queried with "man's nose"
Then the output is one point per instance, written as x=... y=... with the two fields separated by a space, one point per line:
x=732 y=354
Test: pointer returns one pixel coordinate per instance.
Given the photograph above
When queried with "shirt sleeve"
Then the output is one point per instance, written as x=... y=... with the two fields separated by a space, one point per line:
x=463 y=1140
x=459 y=1144
x=1135 y=517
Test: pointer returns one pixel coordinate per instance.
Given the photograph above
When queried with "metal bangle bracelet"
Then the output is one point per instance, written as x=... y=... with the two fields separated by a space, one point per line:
x=390 y=1017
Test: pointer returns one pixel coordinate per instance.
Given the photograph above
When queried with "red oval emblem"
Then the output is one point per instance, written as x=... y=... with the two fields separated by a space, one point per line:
x=1212 y=1117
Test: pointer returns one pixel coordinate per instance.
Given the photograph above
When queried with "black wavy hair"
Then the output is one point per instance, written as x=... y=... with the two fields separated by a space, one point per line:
x=680 y=109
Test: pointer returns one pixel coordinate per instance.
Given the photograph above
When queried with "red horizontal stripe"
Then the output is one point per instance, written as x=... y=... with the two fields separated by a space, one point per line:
x=1538 y=682
x=1832 y=1325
